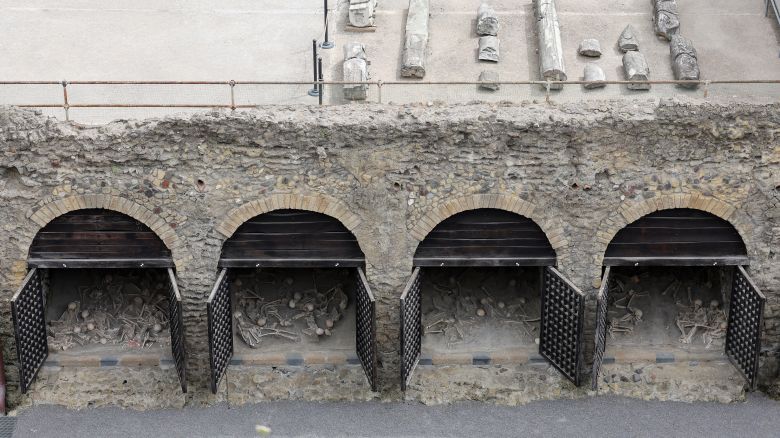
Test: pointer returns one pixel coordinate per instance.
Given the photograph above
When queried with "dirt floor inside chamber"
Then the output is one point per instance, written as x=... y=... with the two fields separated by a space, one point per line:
x=474 y=310
x=668 y=309
x=293 y=311
x=107 y=311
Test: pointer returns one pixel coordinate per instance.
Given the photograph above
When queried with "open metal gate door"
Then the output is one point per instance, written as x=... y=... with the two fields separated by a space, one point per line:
x=28 y=312
x=366 y=329
x=177 y=329
x=563 y=308
x=743 y=335
x=220 y=321
x=601 y=327
x=411 y=328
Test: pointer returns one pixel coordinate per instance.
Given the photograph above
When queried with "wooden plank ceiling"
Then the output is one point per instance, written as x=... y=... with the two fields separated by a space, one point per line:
x=96 y=238
x=677 y=237
x=485 y=237
x=292 y=239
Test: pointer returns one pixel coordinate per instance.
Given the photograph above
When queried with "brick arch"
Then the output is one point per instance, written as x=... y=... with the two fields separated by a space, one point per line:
x=629 y=212
x=318 y=203
x=48 y=211
x=552 y=228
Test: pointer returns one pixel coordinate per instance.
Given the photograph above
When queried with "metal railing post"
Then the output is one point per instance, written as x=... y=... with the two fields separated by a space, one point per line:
x=379 y=90
x=326 y=43
x=314 y=91
x=232 y=84
x=65 y=104
x=321 y=85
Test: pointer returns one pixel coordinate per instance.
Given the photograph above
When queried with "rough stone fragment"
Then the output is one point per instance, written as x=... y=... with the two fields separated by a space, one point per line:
x=416 y=41
x=685 y=63
x=487 y=21
x=665 y=18
x=635 y=66
x=489 y=48
x=550 y=48
x=362 y=13
x=355 y=70
x=628 y=40
x=590 y=47
x=489 y=80
x=594 y=73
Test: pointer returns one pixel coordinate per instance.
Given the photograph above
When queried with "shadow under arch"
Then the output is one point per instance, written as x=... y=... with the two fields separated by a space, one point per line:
x=674 y=284
x=319 y=304
x=460 y=265
x=81 y=250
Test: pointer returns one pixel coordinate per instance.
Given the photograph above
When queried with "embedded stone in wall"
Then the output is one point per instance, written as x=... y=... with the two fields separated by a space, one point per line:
x=685 y=64
x=665 y=18
x=636 y=68
x=489 y=48
x=416 y=42
x=595 y=74
x=355 y=70
x=487 y=21
x=362 y=13
x=628 y=40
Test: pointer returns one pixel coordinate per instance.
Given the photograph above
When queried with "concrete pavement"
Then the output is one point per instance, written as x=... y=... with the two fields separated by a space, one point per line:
x=598 y=416
x=271 y=40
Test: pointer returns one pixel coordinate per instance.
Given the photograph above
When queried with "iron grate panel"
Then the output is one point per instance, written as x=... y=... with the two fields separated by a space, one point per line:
x=28 y=312
x=743 y=335
x=177 y=329
x=602 y=300
x=366 y=329
x=220 y=323
x=411 y=327
x=563 y=308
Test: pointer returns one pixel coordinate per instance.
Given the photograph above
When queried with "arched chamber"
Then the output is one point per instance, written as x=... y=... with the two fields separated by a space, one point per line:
x=291 y=291
x=485 y=291
x=100 y=291
x=675 y=289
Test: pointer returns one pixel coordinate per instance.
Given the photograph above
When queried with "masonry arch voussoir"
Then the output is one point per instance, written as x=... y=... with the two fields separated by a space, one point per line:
x=552 y=227
x=49 y=211
x=631 y=211
x=318 y=203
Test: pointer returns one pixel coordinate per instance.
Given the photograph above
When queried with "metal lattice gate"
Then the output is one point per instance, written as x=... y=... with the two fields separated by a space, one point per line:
x=366 y=329
x=411 y=327
x=560 y=340
x=177 y=329
x=602 y=300
x=28 y=312
x=743 y=335
x=220 y=323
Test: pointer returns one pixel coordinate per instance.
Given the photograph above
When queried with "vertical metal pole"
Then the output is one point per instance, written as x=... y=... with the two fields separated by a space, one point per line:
x=65 y=104
x=232 y=95
x=314 y=91
x=321 y=86
x=379 y=88
x=327 y=44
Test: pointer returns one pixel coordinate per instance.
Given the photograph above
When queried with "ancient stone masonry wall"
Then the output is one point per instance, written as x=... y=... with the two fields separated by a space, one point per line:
x=581 y=171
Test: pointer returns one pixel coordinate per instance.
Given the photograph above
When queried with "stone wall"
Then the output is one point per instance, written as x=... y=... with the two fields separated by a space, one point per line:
x=581 y=171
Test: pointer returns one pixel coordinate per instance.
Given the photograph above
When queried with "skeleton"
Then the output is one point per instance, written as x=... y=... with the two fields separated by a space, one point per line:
x=696 y=318
x=289 y=312
x=452 y=309
x=127 y=311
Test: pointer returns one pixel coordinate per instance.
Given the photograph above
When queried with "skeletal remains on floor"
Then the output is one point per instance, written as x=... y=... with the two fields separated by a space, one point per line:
x=692 y=318
x=120 y=311
x=257 y=317
x=455 y=309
